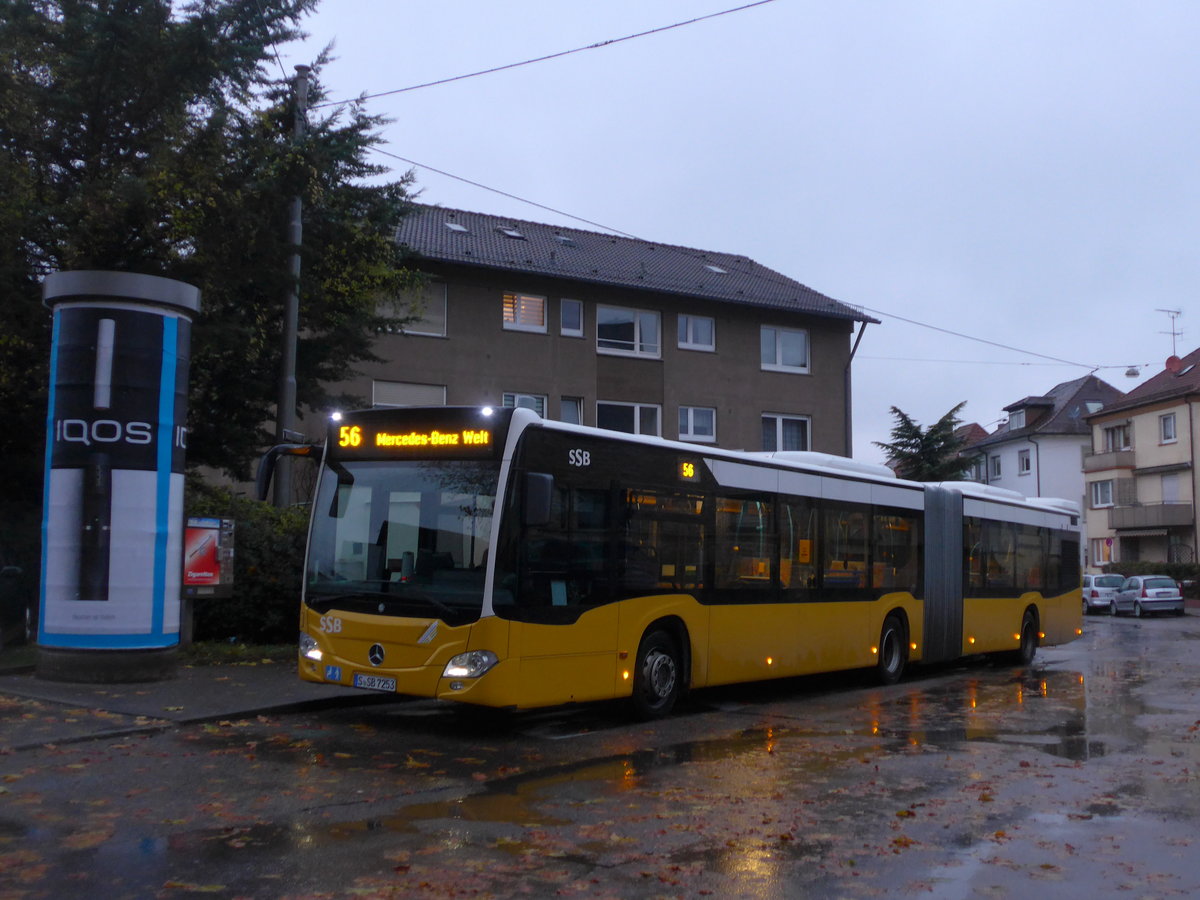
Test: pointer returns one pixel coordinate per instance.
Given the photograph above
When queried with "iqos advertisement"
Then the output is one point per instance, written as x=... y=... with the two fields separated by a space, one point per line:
x=116 y=441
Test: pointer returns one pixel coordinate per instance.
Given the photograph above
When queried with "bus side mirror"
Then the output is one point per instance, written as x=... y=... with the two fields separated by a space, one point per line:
x=539 y=493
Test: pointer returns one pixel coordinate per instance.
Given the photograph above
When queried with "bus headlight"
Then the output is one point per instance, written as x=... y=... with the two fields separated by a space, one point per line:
x=470 y=665
x=309 y=648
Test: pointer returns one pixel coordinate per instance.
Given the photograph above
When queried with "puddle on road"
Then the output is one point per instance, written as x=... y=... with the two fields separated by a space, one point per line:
x=812 y=741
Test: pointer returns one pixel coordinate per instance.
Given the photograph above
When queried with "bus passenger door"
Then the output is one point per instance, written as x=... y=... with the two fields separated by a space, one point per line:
x=565 y=622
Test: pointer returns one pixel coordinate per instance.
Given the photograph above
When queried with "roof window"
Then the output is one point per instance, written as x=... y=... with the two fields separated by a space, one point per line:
x=511 y=233
x=565 y=241
x=454 y=226
x=716 y=269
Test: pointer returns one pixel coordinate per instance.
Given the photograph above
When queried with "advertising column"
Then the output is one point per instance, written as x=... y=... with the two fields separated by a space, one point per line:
x=112 y=530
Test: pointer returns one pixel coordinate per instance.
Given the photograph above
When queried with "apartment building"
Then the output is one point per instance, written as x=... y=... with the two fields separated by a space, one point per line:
x=617 y=332
x=1141 y=473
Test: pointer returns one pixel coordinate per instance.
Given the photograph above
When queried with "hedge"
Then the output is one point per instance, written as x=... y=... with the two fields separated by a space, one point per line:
x=268 y=558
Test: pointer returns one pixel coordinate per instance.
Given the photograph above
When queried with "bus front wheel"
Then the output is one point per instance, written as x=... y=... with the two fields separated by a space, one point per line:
x=657 y=680
x=892 y=651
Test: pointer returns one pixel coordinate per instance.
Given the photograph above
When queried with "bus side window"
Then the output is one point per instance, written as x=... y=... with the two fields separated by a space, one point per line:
x=897 y=557
x=746 y=544
x=798 y=545
x=846 y=549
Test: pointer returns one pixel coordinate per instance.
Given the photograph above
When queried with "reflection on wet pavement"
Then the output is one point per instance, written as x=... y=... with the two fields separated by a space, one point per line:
x=1074 y=774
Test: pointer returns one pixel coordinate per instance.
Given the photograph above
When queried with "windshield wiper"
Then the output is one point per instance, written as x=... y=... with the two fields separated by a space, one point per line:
x=394 y=590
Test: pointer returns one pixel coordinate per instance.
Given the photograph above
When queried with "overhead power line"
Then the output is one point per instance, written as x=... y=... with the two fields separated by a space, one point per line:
x=549 y=56
x=1052 y=360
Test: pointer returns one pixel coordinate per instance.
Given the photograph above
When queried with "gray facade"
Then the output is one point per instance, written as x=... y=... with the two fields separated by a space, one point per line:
x=756 y=353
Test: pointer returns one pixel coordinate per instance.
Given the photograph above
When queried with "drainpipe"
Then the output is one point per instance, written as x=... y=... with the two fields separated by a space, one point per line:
x=1192 y=458
x=849 y=413
x=1037 y=460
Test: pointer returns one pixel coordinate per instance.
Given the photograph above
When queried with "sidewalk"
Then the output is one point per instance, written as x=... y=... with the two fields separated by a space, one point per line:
x=34 y=711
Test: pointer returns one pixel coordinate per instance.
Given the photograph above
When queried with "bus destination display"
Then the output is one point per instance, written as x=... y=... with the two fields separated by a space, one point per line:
x=371 y=440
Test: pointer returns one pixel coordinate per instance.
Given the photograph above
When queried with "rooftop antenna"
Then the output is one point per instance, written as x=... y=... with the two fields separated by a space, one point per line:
x=1174 y=314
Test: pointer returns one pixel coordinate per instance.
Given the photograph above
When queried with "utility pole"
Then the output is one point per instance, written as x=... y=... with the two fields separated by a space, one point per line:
x=285 y=414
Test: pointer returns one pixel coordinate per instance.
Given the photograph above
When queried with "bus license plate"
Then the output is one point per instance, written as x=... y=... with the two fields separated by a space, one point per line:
x=374 y=682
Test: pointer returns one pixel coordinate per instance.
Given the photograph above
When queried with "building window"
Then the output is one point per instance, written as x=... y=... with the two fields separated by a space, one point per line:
x=632 y=332
x=426 y=306
x=631 y=418
x=1166 y=428
x=525 y=312
x=697 y=333
x=571 y=410
x=974 y=470
x=1102 y=494
x=1101 y=551
x=1024 y=464
x=994 y=471
x=1116 y=437
x=781 y=432
x=536 y=402
x=1170 y=487
x=403 y=393
x=697 y=423
x=571 y=318
x=1016 y=419
x=784 y=349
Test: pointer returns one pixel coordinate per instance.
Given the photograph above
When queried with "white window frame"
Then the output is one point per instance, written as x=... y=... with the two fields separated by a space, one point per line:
x=687 y=336
x=571 y=402
x=637 y=416
x=523 y=312
x=1116 y=438
x=395 y=394
x=564 y=305
x=1016 y=420
x=1102 y=551
x=536 y=402
x=1166 y=429
x=995 y=469
x=1024 y=462
x=779 y=419
x=640 y=346
x=773 y=335
x=687 y=424
x=1097 y=491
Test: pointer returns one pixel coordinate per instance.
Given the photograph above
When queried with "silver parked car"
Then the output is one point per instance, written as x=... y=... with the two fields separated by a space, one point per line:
x=1098 y=591
x=1145 y=594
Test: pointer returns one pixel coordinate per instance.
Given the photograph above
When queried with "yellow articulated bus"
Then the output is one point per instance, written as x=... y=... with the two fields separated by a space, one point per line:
x=490 y=557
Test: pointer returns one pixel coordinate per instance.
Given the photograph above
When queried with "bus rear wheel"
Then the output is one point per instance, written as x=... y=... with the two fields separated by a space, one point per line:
x=893 y=653
x=1027 y=648
x=658 y=677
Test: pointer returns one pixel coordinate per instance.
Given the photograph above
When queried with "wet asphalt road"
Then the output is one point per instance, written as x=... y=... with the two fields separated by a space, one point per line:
x=1077 y=776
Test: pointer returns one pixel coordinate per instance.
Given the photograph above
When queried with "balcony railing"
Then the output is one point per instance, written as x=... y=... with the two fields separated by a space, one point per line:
x=1114 y=459
x=1154 y=515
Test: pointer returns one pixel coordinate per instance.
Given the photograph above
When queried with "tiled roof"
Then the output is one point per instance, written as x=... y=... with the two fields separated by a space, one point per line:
x=1068 y=413
x=499 y=242
x=1174 y=381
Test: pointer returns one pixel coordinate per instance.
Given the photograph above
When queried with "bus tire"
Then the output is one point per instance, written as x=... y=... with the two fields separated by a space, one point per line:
x=1027 y=648
x=658 y=677
x=893 y=651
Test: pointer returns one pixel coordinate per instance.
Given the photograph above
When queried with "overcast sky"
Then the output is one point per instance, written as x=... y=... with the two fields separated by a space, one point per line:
x=1023 y=172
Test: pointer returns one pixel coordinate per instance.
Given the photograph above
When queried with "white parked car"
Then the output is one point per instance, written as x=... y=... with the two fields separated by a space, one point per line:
x=1145 y=594
x=1098 y=591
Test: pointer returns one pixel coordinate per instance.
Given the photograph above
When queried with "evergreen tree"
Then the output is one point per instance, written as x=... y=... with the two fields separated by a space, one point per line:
x=926 y=454
x=136 y=136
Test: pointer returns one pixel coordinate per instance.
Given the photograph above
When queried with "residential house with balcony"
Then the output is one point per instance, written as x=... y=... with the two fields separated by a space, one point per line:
x=1038 y=452
x=617 y=332
x=1141 y=473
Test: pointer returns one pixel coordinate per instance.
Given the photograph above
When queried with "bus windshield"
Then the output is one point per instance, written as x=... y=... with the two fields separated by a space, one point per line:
x=402 y=538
